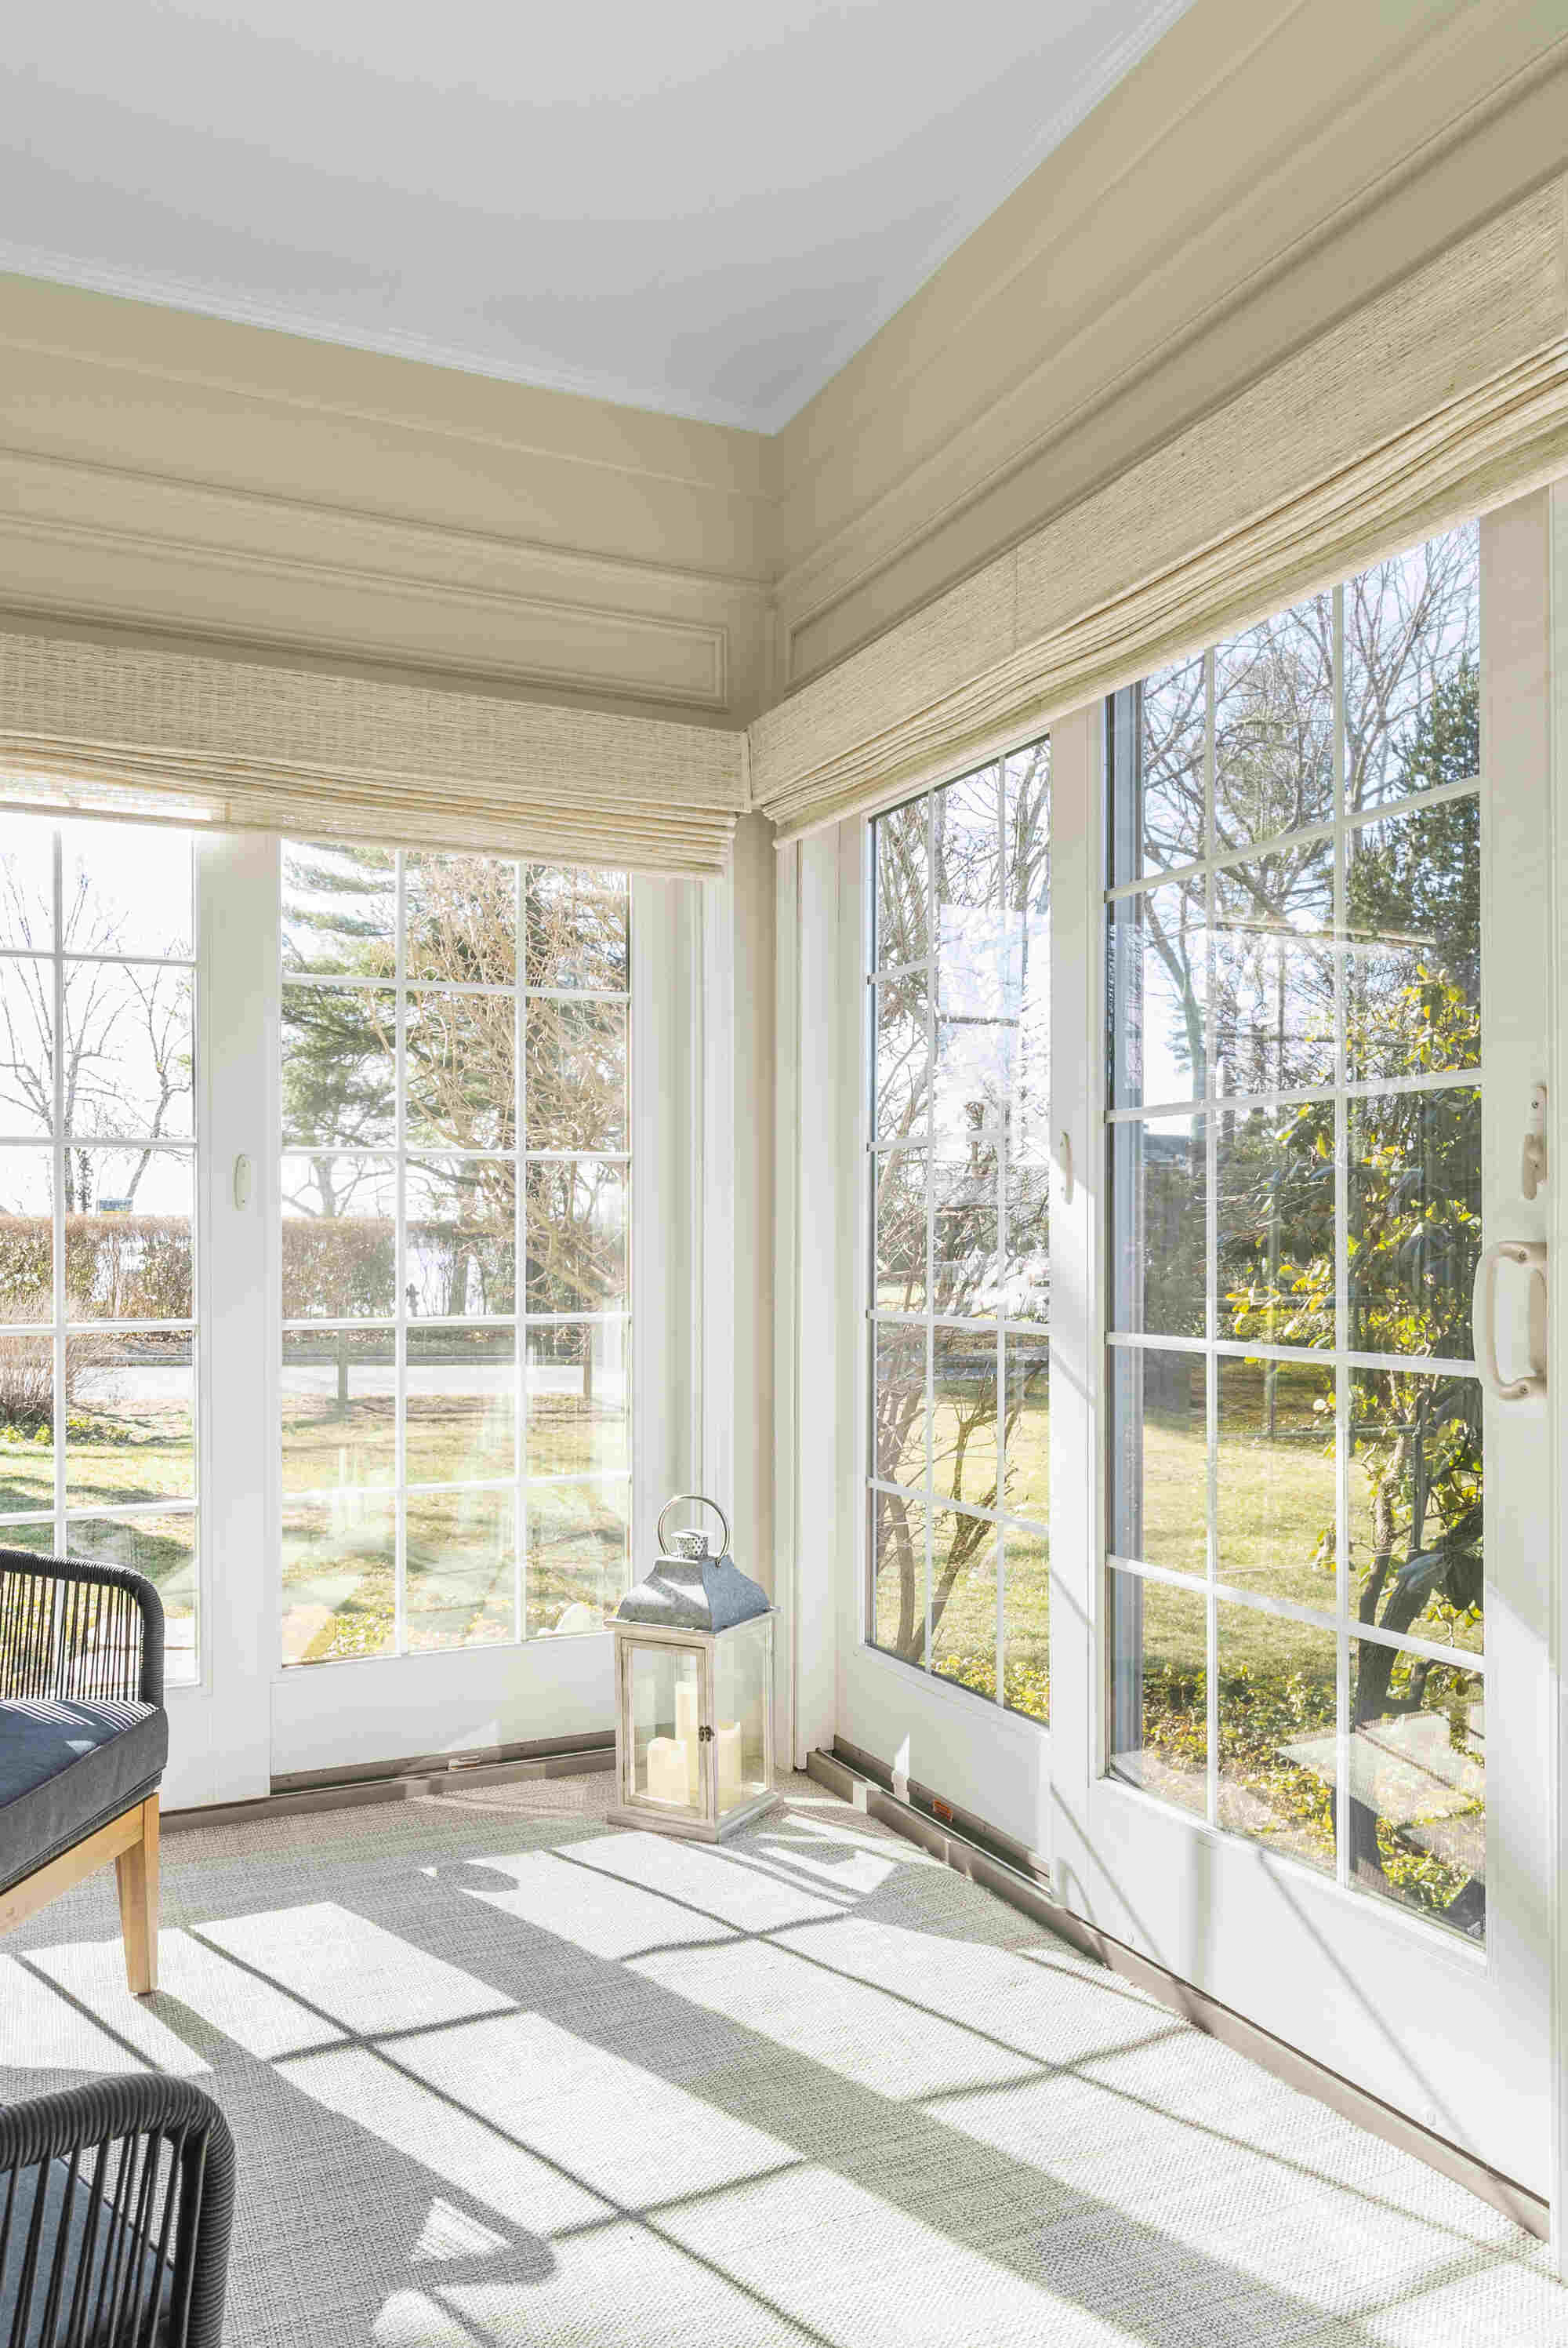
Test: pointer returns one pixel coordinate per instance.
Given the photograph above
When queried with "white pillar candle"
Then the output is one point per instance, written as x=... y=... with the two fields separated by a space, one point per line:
x=728 y=1734
x=667 y=1771
x=687 y=1716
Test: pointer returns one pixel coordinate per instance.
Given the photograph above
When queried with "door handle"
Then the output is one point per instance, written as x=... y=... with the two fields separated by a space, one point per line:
x=1532 y=1255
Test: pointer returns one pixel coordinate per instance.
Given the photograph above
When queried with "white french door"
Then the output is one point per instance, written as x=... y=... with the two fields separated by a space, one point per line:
x=350 y=1233
x=1300 y=913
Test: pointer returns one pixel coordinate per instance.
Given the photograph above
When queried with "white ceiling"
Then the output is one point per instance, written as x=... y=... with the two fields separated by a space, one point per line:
x=699 y=206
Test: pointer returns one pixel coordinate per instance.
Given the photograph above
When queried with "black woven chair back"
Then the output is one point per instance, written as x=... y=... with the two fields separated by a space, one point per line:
x=116 y=2205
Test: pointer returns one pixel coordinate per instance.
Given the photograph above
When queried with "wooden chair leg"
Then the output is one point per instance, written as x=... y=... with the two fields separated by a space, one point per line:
x=136 y=1871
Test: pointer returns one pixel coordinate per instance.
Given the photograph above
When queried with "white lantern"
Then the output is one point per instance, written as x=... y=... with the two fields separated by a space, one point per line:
x=693 y=1691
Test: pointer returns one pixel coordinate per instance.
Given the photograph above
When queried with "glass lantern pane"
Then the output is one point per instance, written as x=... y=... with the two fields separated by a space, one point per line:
x=666 y=1713
x=741 y=1675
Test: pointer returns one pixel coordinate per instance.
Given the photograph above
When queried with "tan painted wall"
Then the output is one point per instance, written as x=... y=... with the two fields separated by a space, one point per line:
x=1270 y=164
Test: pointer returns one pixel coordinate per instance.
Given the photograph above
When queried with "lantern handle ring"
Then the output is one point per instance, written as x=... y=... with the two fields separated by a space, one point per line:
x=702 y=1501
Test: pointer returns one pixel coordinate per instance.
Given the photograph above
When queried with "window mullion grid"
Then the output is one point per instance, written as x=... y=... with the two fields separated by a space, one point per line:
x=57 y=1204
x=1342 y=1375
x=400 y=1260
x=1211 y=1267
x=519 y=1276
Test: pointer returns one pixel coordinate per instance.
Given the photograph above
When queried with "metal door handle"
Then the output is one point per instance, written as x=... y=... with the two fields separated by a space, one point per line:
x=1532 y=1254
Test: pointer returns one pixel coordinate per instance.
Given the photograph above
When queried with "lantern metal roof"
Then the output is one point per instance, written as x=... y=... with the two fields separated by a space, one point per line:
x=684 y=1593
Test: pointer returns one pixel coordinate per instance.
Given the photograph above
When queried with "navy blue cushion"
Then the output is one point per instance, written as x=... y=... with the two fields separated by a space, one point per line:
x=67 y=1768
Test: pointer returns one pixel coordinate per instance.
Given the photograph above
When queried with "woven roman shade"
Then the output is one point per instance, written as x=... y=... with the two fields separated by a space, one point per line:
x=1432 y=403
x=195 y=737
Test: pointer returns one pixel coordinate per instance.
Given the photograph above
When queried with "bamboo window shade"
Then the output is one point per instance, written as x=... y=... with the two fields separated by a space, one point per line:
x=1432 y=403
x=120 y=728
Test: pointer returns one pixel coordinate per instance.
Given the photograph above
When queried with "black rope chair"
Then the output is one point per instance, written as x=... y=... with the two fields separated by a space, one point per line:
x=116 y=2205
x=83 y=1740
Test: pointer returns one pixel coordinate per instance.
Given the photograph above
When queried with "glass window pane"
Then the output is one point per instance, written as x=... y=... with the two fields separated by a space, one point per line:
x=1025 y=875
x=898 y=1574
x=339 y=1408
x=460 y=1249
x=966 y=1262
x=1159 y=1689
x=127 y=890
x=1274 y=726
x=1417 y=1477
x=1274 y=1180
x=1158 y=822
x=163 y=1547
x=901 y=1063
x=579 y=1554
x=1417 y=1784
x=129 y=1051
x=1412 y=893
x=28 y=1421
x=461 y=1564
x=577 y=1075
x=340 y=1577
x=27 y=1235
x=1277 y=1733
x=964 y=1415
x=26 y=1047
x=27 y=885
x=898 y=1405
x=1414 y=1221
x=1026 y=1486
x=1275 y=1480
x=36 y=1536
x=1156 y=989
x=1026 y=1272
x=576 y=1237
x=128 y=1234
x=967 y=847
x=578 y=929
x=1159 y=1496
x=964 y=1552
x=339 y=1238
x=579 y=1421
x=903 y=864
x=1026 y=1622
x=461 y=1405
x=1159 y=1184
x=1273 y=972
x=340 y=910
x=972 y=1076
x=1412 y=670
x=460 y=1070
x=899 y=1213
x=461 y=913
x=339 y=1073
x=130 y=1430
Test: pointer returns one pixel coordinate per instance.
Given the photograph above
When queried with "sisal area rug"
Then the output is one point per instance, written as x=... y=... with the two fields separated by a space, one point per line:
x=500 y=2073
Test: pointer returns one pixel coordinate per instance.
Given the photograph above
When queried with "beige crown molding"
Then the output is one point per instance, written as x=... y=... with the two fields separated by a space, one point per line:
x=111 y=545
x=1321 y=233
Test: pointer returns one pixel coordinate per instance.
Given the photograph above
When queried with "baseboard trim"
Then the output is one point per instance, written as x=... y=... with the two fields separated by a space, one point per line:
x=400 y=1781
x=973 y=1850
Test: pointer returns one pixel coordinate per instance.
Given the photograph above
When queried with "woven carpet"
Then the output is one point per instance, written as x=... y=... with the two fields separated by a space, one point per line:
x=500 y=2074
